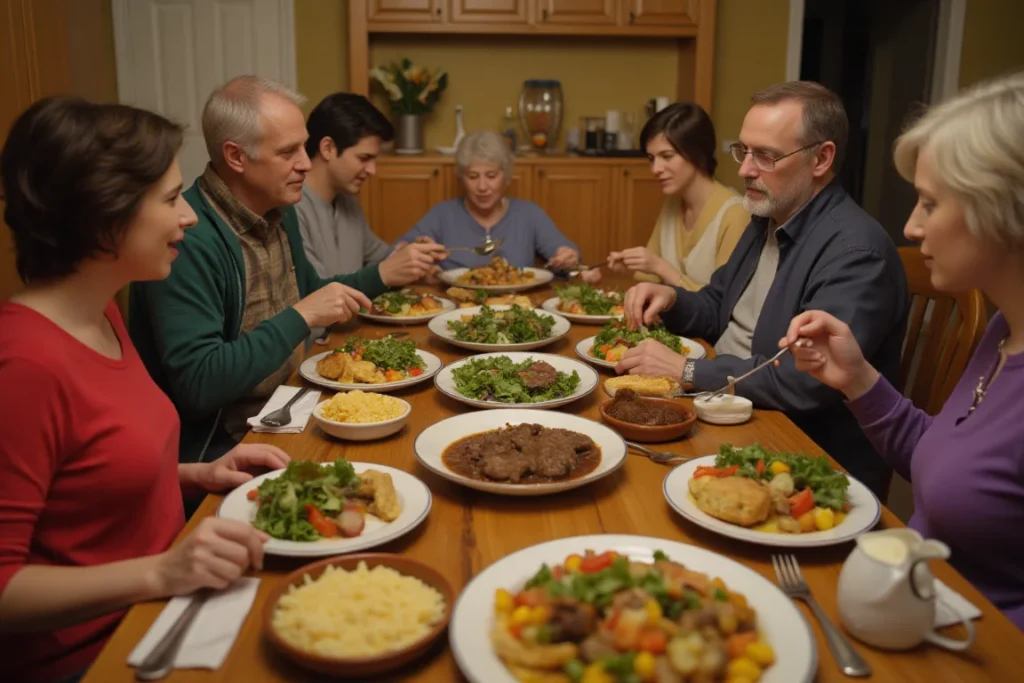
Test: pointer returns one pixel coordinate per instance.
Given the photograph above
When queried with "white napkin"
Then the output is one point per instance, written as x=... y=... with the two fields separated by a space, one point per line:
x=947 y=599
x=213 y=630
x=301 y=410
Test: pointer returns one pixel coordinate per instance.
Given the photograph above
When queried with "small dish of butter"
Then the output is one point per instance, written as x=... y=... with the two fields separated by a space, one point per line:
x=724 y=409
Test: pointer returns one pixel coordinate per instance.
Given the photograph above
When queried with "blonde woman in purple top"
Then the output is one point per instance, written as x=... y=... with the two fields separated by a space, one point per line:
x=966 y=160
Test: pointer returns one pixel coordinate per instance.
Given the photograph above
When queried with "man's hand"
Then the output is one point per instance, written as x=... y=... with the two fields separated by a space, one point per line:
x=652 y=358
x=332 y=303
x=410 y=262
x=644 y=303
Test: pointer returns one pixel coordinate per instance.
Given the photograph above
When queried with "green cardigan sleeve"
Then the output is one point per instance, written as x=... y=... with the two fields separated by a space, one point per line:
x=193 y=318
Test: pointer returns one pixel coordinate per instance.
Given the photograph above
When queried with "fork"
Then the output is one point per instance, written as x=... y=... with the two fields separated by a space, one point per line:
x=660 y=457
x=791 y=580
x=735 y=380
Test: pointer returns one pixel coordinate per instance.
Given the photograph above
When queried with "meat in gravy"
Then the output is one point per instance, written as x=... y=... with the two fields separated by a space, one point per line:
x=524 y=454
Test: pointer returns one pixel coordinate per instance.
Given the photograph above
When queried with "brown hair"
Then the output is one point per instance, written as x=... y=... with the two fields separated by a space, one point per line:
x=73 y=176
x=689 y=130
x=824 y=118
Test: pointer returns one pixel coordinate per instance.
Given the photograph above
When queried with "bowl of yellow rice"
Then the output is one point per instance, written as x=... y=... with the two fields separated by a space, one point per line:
x=362 y=415
x=358 y=615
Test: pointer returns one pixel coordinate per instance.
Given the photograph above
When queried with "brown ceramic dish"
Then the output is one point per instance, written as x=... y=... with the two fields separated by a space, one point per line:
x=653 y=433
x=362 y=666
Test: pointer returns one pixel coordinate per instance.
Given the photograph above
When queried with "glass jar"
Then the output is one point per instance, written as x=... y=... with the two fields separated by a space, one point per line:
x=540 y=111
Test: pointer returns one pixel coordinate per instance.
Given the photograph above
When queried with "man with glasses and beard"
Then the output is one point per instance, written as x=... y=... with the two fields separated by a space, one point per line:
x=808 y=247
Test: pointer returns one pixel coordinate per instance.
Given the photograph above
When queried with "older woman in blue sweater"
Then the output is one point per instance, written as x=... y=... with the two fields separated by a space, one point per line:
x=483 y=164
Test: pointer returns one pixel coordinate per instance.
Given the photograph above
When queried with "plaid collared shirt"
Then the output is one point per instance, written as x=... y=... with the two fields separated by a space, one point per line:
x=270 y=285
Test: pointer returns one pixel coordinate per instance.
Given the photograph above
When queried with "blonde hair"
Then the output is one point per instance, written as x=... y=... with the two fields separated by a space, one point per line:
x=487 y=146
x=233 y=113
x=976 y=145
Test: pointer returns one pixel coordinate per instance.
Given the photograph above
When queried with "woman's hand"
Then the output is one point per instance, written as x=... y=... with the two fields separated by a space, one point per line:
x=829 y=353
x=216 y=553
x=644 y=303
x=565 y=257
x=651 y=357
x=592 y=276
x=230 y=470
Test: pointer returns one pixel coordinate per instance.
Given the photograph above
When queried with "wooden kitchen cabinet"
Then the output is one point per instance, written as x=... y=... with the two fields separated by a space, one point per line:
x=639 y=199
x=659 y=12
x=577 y=12
x=578 y=198
x=405 y=10
x=399 y=195
x=488 y=11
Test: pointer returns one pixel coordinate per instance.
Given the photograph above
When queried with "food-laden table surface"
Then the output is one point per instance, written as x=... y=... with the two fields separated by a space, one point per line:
x=468 y=530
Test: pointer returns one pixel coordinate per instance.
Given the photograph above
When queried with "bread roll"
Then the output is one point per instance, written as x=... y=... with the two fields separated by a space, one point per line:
x=644 y=385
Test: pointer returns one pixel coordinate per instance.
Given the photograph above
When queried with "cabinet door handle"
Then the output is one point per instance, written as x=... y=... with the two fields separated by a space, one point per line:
x=437 y=172
x=541 y=173
x=632 y=17
x=544 y=14
x=625 y=172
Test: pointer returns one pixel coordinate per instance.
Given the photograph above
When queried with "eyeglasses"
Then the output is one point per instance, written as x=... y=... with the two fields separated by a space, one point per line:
x=763 y=160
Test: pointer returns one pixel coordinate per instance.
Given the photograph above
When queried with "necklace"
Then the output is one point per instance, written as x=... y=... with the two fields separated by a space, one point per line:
x=984 y=382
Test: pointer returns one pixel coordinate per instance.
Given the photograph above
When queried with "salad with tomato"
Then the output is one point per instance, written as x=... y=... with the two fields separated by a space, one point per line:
x=806 y=493
x=310 y=501
x=602 y=617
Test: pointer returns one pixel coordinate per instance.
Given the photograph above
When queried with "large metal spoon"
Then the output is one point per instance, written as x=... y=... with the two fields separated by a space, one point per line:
x=488 y=247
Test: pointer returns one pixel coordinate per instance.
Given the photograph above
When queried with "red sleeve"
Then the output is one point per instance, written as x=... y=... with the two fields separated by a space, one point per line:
x=31 y=418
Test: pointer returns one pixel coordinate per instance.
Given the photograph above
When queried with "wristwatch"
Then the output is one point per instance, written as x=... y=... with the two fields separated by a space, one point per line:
x=688 y=369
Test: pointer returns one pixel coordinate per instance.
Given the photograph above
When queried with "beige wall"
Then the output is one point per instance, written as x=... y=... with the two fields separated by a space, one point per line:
x=486 y=74
x=992 y=43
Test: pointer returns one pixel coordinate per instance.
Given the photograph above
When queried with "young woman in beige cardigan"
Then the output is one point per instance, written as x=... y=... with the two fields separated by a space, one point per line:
x=702 y=219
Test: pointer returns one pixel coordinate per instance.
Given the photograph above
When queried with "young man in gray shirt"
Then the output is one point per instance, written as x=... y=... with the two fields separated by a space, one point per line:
x=345 y=135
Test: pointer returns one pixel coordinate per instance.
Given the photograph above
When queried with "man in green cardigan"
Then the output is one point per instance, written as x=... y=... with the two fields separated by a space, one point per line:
x=227 y=327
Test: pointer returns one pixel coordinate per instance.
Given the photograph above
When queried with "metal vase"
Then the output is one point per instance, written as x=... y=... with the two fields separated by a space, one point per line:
x=409 y=134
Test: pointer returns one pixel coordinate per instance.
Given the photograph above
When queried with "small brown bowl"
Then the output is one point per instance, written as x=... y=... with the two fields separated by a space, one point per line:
x=652 y=433
x=353 y=667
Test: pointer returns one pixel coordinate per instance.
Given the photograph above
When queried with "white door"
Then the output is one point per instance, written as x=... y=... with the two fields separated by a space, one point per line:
x=171 y=54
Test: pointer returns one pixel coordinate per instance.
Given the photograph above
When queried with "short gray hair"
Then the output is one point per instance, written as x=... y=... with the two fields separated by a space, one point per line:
x=976 y=143
x=486 y=146
x=824 y=116
x=233 y=113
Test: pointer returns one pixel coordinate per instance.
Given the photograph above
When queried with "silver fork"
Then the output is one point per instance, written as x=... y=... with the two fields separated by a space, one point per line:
x=791 y=580
x=733 y=381
x=660 y=457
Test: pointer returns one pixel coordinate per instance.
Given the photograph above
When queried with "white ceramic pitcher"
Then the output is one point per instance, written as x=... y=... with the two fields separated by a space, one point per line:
x=887 y=592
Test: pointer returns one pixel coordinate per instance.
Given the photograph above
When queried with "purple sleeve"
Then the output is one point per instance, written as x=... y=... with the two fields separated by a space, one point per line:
x=892 y=423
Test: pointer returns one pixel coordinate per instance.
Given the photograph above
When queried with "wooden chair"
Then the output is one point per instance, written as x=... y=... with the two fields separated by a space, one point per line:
x=942 y=332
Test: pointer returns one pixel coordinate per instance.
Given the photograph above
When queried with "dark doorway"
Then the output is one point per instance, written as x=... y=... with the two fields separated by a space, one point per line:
x=878 y=56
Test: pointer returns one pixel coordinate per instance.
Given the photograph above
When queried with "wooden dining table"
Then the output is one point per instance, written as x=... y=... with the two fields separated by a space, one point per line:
x=468 y=530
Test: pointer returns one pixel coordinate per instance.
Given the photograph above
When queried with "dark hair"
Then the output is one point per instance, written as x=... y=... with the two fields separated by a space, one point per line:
x=346 y=119
x=824 y=118
x=73 y=176
x=689 y=130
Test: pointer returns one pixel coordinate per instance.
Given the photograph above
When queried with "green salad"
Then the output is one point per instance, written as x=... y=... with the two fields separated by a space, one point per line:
x=615 y=333
x=515 y=325
x=387 y=353
x=584 y=299
x=298 y=505
x=828 y=484
x=505 y=381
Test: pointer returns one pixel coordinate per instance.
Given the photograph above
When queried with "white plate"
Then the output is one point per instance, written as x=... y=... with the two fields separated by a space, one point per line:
x=432 y=441
x=413 y=493
x=446 y=305
x=445 y=380
x=431 y=362
x=584 y=345
x=778 y=619
x=551 y=305
x=863 y=515
x=439 y=326
x=540 y=277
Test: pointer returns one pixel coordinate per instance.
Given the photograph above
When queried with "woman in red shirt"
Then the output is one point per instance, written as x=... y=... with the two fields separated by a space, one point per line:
x=90 y=485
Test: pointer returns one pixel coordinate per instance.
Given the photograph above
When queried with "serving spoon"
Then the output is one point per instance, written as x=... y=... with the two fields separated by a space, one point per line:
x=488 y=247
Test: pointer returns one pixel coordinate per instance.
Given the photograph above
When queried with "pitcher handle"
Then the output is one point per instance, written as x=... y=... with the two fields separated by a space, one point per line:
x=950 y=643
